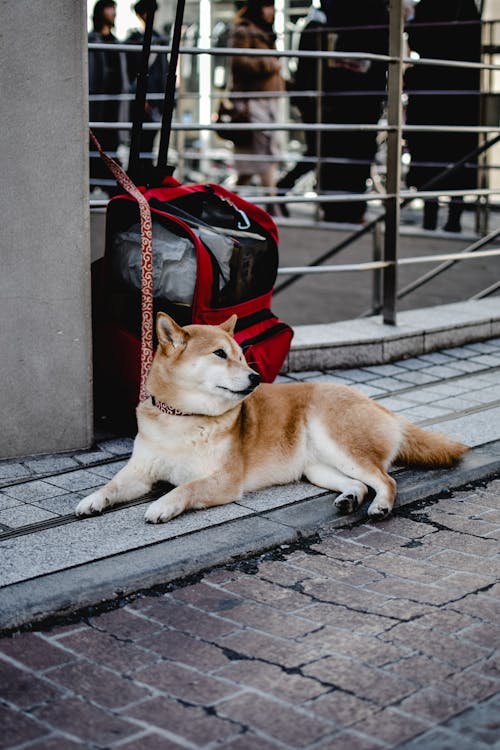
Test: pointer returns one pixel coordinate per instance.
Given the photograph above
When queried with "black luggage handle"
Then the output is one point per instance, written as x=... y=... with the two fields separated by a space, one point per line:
x=153 y=176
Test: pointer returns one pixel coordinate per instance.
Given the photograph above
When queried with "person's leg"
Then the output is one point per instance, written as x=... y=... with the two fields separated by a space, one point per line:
x=454 y=213
x=431 y=208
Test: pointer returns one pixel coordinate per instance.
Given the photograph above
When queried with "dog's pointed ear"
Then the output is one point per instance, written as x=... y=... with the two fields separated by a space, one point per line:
x=229 y=324
x=169 y=333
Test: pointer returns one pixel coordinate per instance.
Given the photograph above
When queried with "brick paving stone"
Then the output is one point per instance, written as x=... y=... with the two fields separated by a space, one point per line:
x=248 y=741
x=485 y=726
x=466 y=583
x=470 y=685
x=421 y=669
x=17 y=728
x=98 y=685
x=350 y=741
x=187 y=619
x=88 y=723
x=268 y=593
x=438 y=739
x=343 y=708
x=486 y=635
x=391 y=726
x=267 y=678
x=125 y=623
x=364 y=682
x=151 y=741
x=34 y=651
x=352 y=621
x=267 y=619
x=185 y=683
x=433 y=704
x=419 y=592
x=254 y=645
x=294 y=728
x=22 y=688
x=56 y=743
x=366 y=649
x=457 y=652
x=353 y=573
x=209 y=598
x=483 y=607
x=446 y=620
x=183 y=723
x=185 y=649
x=121 y=656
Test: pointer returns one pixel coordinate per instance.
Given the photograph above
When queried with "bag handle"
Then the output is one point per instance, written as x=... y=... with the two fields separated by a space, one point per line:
x=146 y=264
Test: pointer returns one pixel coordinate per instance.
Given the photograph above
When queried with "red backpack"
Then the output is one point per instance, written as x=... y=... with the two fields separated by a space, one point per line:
x=214 y=254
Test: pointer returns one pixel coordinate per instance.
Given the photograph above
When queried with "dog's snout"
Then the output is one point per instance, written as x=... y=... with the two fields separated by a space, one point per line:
x=254 y=379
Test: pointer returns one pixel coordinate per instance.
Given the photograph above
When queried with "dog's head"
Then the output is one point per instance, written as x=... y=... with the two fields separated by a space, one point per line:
x=200 y=368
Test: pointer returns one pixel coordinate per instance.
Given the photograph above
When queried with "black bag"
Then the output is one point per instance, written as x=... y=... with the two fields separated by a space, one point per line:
x=234 y=113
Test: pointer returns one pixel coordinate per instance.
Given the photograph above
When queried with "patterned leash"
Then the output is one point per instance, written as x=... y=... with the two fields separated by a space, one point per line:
x=146 y=265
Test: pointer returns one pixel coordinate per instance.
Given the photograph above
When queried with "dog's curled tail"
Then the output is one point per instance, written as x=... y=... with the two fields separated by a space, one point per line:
x=430 y=449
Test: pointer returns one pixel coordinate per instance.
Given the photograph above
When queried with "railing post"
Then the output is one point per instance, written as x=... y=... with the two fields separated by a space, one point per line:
x=394 y=91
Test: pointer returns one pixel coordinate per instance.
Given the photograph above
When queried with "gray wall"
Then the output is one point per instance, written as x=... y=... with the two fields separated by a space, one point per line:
x=45 y=335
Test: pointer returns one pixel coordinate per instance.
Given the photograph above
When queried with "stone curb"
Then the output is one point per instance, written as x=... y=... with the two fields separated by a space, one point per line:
x=106 y=580
x=367 y=341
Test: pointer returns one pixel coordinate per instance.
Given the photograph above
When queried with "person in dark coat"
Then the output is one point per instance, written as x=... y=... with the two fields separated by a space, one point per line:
x=307 y=78
x=353 y=93
x=157 y=75
x=448 y=30
x=107 y=75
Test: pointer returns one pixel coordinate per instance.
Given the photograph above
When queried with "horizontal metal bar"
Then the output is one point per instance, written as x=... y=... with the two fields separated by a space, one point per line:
x=302 y=127
x=315 y=54
x=374 y=265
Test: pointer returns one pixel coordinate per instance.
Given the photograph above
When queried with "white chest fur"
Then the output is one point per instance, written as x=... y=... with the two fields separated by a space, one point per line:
x=179 y=449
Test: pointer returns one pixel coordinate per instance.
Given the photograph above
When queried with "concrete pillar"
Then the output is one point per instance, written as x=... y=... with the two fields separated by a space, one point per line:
x=45 y=331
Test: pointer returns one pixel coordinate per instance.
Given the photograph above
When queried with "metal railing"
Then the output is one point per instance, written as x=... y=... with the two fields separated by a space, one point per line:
x=393 y=197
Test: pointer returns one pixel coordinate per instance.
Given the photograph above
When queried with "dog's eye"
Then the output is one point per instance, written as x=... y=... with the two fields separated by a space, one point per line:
x=220 y=353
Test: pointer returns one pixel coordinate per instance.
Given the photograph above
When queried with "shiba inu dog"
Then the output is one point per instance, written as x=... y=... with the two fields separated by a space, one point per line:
x=212 y=430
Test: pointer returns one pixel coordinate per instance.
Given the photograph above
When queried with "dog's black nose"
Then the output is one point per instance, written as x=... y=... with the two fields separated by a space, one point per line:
x=254 y=379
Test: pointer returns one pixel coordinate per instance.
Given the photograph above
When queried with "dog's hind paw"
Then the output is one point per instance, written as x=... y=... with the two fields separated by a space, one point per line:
x=348 y=502
x=379 y=510
x=94 y=503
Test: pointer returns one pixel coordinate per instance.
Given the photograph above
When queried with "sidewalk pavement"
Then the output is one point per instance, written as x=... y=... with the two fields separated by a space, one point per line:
x=343 y=634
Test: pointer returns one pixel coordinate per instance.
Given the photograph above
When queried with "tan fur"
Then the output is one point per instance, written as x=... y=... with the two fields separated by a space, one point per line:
x=235 y=437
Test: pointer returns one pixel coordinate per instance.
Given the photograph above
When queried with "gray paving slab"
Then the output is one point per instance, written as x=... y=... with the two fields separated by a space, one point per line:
x=22 y=515
x=474 y=429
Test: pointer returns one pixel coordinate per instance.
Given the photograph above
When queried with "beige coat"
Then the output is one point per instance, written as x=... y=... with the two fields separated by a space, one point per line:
x=254 y=73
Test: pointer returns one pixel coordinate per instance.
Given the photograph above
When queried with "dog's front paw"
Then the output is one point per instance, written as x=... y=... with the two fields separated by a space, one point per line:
x=379 y=509
x=347 y=502
x=94 y=503
x=162 y=511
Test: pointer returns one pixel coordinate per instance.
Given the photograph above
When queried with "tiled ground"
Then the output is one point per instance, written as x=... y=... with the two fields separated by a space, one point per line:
x=381 y=636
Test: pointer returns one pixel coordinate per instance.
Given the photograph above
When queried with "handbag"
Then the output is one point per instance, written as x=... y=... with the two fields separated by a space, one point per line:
x=234 y=113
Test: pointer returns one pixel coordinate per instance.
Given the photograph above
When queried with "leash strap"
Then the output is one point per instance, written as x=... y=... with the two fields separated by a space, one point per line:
x=146 y=264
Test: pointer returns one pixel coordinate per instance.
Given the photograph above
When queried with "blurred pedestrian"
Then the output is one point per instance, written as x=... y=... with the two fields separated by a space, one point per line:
x=107 y=77
x=354 y=93
x=157 y=76
x=307 y=78
x=440 y=95
x=253 y=29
